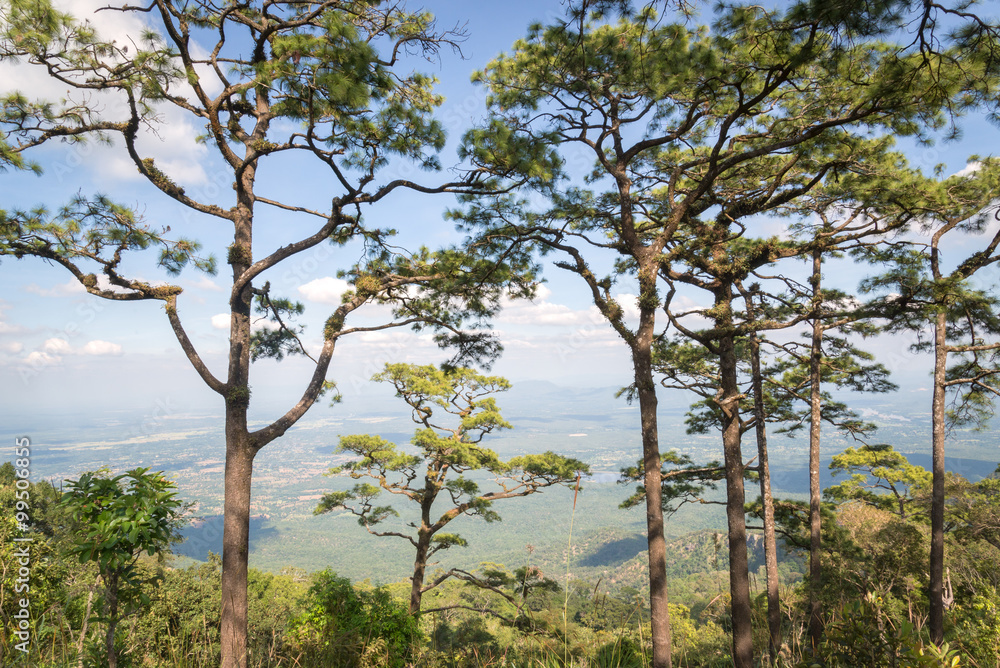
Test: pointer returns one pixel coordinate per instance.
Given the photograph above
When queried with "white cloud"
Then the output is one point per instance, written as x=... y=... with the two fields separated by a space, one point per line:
x=222 y=320
x=891 y=417
x=540 y=311
x=383 y=336
x=325 y=290
x=394 y=344
x=171 y=140
x=56 y=346
x=7 y=328
x=630 y=306
x=172 y=144
x=12 y=347
x=204 y=283
x=263 y=323
x=98 y=347
x=72 y=287
x=41 y=359
x=969 y=169
x=684 y=304
x=694 y=320
x=590 y=337
x=542 y=292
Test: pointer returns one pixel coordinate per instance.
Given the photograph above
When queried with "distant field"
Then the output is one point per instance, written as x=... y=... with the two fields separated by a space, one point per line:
x=585 y=423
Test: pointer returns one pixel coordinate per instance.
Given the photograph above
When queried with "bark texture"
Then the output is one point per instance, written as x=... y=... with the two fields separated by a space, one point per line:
x=936 y=619
x=739 y=576
x=815 y=493
x=770 y=541
x=235 y=551
x=652 y=481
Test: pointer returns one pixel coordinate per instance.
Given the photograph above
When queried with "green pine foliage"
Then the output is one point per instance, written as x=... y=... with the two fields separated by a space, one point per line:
x=454 y=411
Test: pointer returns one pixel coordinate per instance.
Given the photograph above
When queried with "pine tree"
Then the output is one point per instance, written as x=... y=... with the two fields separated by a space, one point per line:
x=454 y=412
x=326 y=82
x=678 y=124
x=931 y=290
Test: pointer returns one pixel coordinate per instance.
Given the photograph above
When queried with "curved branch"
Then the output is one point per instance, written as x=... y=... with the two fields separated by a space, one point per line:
x=189 y=349
x=285 y=252
x=276 y=429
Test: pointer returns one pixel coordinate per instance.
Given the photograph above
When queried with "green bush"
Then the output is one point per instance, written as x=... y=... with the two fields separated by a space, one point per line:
x=977 y=627
x=180 y=626
x=347 y=626
x=620 y=653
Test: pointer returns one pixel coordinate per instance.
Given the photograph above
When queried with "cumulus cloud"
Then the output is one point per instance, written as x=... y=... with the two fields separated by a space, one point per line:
x=871 y=413
x=204 y=283
x=969 y=169
x=392 y=336
x=54 y=349
x=588 y=337
x=7 y=328
x=630 y=306
x=11 y=347
x=56 y=346
x=38 y=358
x=326 y=290
x=172 y=143
x=540 y=311
x=72 y=287
x=263 y=323
x=543 y=313
x=222 y=320
x=172 y=138
x=98 y=347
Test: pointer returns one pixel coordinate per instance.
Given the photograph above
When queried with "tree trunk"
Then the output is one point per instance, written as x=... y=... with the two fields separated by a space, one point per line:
x=235 y=551
x=240 y=450
x=652 y=481
x=111 y=583
x=770 y=542
x=815 y=414
x=419 y=569
x=936 y=621
x=739 y=572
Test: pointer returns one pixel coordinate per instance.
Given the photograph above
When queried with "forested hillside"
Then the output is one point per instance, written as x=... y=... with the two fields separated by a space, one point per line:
x=526 y=611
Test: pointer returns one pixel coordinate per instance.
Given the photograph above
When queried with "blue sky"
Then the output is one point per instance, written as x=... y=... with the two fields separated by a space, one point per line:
x=63 y=352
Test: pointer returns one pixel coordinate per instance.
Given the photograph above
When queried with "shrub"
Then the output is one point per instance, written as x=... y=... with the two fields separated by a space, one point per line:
x=347 y=626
